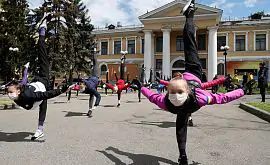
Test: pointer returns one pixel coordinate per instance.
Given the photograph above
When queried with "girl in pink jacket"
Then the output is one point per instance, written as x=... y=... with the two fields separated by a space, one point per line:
x=185 y=95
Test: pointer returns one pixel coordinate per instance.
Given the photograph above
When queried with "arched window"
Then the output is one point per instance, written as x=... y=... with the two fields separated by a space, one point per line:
x=220 y=69
x=103 y=69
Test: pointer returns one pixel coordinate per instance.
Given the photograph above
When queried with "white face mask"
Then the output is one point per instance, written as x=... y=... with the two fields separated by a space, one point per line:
x=13 y=96
x=178 y=99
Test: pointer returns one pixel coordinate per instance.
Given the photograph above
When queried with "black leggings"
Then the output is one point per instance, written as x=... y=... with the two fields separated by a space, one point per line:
x=43 y=76
x=192 y=65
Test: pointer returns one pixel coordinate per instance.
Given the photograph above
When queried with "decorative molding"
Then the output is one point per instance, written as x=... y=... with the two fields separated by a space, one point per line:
x=181 y=2
x=245 y=58
x=118 y=61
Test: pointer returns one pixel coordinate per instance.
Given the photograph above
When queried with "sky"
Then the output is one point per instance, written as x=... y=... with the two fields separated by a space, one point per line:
x=128 y=11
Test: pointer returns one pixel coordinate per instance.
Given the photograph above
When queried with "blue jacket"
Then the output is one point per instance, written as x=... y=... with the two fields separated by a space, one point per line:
x=92 y=82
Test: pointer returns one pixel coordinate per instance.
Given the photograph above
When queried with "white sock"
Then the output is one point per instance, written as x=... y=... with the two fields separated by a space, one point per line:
x=118 y=101
x=40 y=127
x=189 y=118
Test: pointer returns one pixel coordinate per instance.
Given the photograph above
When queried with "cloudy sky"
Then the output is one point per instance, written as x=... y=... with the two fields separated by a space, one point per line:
x=127 y=11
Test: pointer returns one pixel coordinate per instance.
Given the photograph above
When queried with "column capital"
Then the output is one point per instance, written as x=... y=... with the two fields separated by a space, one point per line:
x=166 y=30
x=213 y=28
x=147 y=31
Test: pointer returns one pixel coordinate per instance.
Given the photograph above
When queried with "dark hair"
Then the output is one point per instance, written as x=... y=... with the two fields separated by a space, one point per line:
x=16 y=84
x=262 y=64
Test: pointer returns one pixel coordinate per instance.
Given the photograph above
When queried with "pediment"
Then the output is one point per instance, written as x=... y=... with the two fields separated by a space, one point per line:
x=174 y=8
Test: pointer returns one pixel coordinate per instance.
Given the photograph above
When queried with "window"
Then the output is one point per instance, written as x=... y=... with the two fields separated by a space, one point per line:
x=179 y=43
x=159 y=44
x=117 y=47
x=201 y=42
x=158 y=64
x=131 y=46
x=203 y=62
x=104 y=48
x=103 y=69
x=221 y=41
x=260 y=42
x=240 y=43
x=220 y=69
x=142 y=46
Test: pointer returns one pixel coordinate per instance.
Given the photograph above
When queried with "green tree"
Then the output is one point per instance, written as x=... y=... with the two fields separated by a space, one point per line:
x=258 y=15
x=71 y=40
x=15 y=33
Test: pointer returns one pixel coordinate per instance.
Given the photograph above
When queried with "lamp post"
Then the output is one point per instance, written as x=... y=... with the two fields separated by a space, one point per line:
x=225 y=49
x=11 y=49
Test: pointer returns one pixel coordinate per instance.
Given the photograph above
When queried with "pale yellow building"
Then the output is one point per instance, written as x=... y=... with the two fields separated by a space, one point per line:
x=158 y=43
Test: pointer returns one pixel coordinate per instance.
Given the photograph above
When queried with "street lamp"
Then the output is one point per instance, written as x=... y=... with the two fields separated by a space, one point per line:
x=11 y=49
x=225 y=49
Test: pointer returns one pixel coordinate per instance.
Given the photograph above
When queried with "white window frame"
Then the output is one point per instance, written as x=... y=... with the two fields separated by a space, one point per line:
x=261 y=32
x=116 y=39
x=130 y=38
x=235 y=33
x=104 y=40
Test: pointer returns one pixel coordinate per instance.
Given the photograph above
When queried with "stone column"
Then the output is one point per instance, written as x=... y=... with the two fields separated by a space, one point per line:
x=212 y=52
x=166 y=53
x=147 y=52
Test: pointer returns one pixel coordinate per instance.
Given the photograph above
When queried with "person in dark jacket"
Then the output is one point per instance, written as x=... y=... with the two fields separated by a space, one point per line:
x=136 y=85
x=91 y=84
x=262 y=80
x=36 y=93
x=204 y=78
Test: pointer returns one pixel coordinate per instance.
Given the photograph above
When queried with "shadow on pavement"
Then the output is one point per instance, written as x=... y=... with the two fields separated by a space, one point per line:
x=83 y=99
x=109 y=106
x=218 y=127
x=59 y=102
x=162 y=124
x=73 y=114
x=132 y=101
x=229 y=118
x=138 y=159
x=17 y=137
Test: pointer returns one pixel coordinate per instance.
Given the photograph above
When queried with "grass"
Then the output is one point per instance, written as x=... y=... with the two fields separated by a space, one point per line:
x=262 y=106
x=5 y=102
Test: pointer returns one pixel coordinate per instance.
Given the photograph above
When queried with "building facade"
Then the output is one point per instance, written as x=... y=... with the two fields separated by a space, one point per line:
x=157 y=44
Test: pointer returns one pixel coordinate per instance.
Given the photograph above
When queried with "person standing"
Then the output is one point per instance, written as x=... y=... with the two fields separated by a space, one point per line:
x=250 y=83
x=262 y=80
x=215 y=88
x=91 y=84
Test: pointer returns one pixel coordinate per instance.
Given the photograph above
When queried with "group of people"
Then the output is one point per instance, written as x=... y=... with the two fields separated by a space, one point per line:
x=186 y=91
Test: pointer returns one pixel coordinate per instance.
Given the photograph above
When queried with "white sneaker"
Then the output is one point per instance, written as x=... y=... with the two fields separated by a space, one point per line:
x=38 y=134
x=188 y=4
x=27 y=65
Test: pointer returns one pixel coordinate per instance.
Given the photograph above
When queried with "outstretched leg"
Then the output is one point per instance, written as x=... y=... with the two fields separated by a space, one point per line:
x=181 y=135
x=122 y=67
x=192 y=60
x=43 y=77
x=25 y=74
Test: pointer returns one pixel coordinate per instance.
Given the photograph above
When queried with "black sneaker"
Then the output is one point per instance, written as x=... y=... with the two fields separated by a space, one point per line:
x=190 y=6
x=183 y=160
x=190 y=123
x=118 y=105
x=89 y=113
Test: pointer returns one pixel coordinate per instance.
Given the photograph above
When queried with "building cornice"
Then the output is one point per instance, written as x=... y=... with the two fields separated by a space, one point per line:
x=179 y=18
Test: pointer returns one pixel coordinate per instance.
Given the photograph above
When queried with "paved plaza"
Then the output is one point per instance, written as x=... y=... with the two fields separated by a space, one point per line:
x=136 y=133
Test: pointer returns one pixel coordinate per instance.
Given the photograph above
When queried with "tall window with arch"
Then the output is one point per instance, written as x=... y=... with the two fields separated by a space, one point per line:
x=103 y=69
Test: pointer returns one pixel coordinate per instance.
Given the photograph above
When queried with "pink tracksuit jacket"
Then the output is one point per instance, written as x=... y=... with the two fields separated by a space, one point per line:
x=203 y=97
